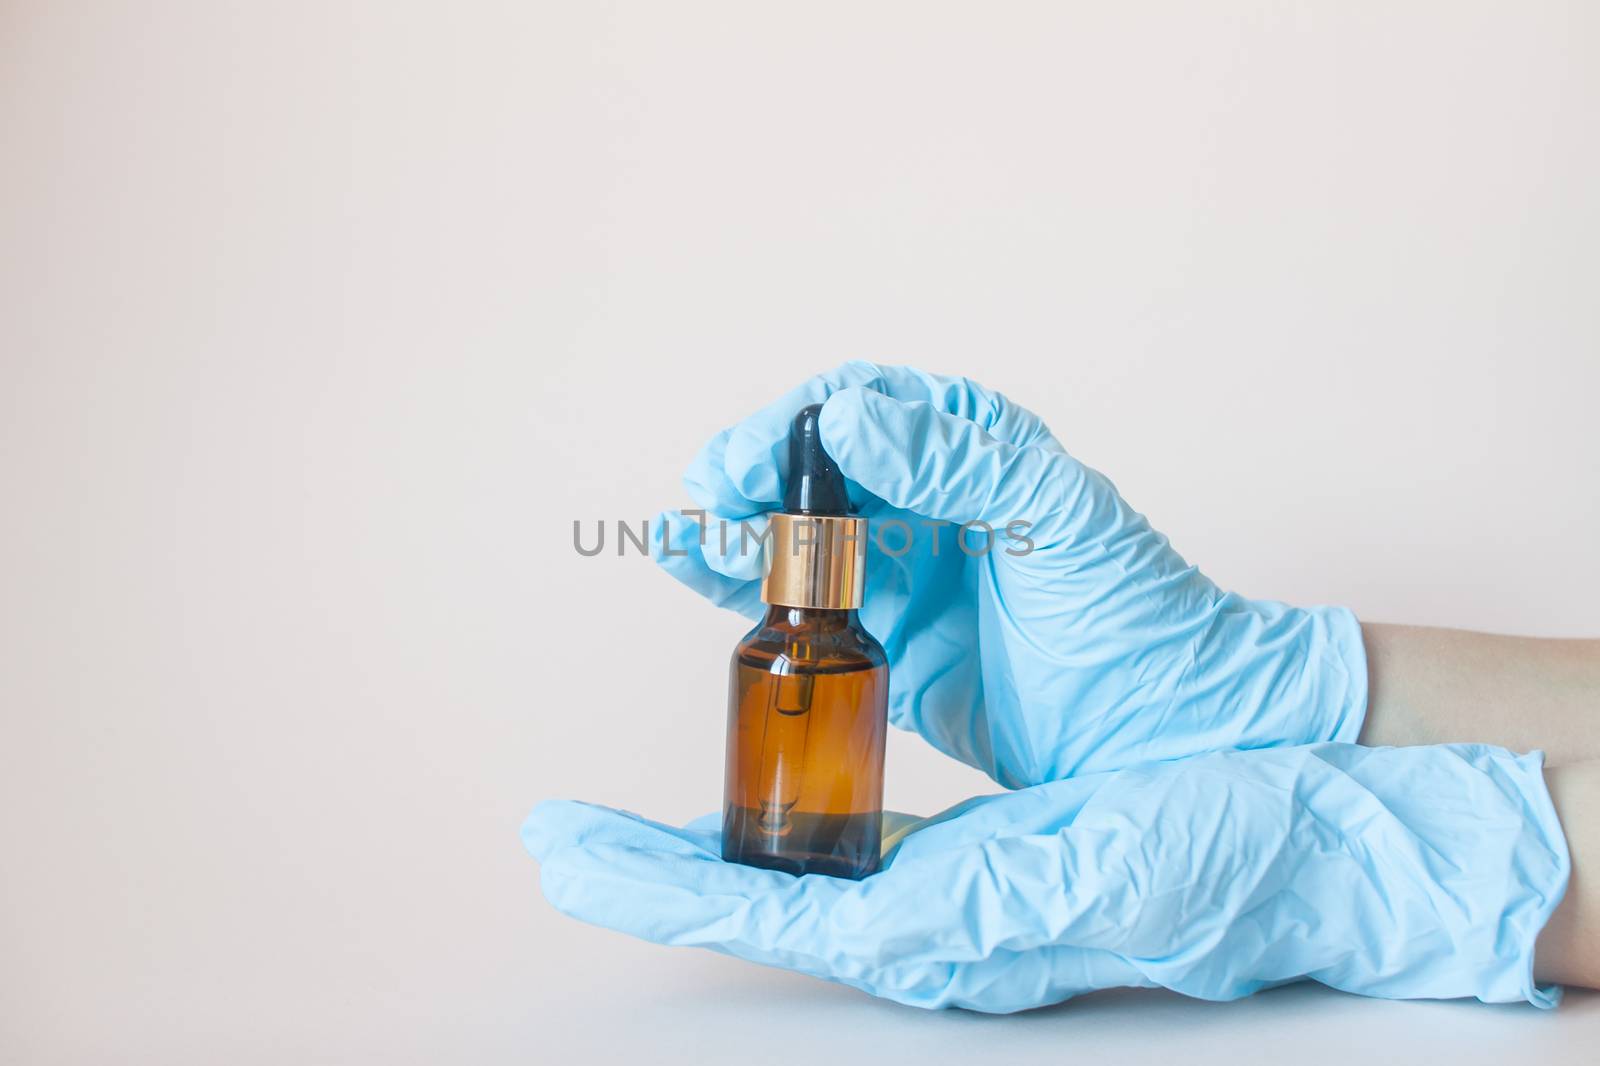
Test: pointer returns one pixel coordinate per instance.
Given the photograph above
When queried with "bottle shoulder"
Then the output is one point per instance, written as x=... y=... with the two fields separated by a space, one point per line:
x=786 y=648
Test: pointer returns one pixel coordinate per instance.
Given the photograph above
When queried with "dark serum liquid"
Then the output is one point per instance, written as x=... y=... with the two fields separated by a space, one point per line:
x=807 y=721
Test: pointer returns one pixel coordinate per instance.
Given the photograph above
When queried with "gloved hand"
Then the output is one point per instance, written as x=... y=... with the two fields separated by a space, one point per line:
x=1396 y=872
x=1098 y=649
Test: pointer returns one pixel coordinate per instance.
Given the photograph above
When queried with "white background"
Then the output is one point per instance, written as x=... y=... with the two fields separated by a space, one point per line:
x=321 y=322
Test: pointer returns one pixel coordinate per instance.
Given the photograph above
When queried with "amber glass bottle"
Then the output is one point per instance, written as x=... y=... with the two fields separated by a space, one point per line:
x=805 y=745
x=809 y=690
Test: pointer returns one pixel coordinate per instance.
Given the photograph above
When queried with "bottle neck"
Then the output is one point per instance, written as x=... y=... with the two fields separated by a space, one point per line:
x=822 y=619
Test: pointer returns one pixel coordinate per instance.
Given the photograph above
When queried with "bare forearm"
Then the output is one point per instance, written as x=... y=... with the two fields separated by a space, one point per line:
x=1435 y=686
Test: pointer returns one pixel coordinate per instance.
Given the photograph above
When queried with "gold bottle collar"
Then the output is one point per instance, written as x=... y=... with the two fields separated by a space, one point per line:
x=814 y=561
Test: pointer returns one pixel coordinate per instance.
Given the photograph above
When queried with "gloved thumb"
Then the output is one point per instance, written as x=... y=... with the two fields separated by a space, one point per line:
x=920 y=459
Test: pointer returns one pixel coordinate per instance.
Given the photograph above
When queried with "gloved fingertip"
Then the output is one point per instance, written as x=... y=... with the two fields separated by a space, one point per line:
x=842 y=409
x=552 y=825
x=879 y=442
x=755 y=460
x=675 y=545
x=703 y=488
x=670 y=531
x=858 y=419
x=733 y=548
x=708 y=484
x=561 y=885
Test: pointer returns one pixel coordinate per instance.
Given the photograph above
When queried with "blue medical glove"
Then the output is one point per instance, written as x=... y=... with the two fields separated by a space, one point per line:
x=1099 y=648
x=1395 y=872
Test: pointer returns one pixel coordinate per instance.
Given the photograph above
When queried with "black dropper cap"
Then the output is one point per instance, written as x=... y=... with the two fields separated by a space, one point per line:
x=815 y=485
